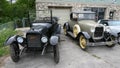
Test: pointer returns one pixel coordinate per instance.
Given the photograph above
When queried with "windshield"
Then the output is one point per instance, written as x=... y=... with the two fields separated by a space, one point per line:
x=114 y=23
x=86 y=16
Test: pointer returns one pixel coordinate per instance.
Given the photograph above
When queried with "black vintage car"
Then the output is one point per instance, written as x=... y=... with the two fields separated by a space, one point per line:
x=44 y=34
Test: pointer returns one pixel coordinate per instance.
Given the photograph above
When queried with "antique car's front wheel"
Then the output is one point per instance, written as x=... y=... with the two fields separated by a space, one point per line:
x=56 y=54
x=82 y=42
x=14 y=52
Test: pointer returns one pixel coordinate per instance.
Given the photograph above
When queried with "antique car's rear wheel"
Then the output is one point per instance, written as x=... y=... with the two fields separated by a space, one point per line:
x=82 y=42
x=65 y=30
x=14 y=52
x=56 y=53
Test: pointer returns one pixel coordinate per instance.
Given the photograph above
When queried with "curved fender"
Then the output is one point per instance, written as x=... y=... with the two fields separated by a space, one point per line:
x=58 y=31
x=66 y=24
x=10 y=40
x=85 y=34
x=114 y=34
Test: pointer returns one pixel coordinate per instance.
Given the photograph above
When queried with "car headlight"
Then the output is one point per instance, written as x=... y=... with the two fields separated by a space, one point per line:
x=44 y=39
x=93 y=29
x=20 y=40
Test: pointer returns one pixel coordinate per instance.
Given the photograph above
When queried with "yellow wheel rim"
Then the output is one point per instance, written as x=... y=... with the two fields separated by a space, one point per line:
x=82 y=42
x=75 y=32
x=65 y=31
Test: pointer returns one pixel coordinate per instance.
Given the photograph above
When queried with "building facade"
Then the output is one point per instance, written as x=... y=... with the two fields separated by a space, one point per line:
x=104 y=9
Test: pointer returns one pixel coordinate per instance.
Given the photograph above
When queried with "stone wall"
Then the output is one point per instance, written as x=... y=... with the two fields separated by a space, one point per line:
x=80 y=6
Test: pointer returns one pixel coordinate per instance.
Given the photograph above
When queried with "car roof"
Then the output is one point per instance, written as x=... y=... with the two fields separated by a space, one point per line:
x=82 y=12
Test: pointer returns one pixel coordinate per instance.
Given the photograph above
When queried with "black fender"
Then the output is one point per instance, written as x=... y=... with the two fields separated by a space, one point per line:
x=67 y=26
x=57 y=30
x=10 y=40
x=87 y=36
x=54 y=39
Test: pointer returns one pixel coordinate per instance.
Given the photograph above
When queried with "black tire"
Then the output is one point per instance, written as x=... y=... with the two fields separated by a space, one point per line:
x=82 y=42
x=56 y=53
x=14 y=52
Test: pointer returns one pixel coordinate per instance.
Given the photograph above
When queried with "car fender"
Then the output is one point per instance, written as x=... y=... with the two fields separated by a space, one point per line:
x=57 y=30
x=10 y=40
x=67 y=26
x=87 y=36
x=113 y=33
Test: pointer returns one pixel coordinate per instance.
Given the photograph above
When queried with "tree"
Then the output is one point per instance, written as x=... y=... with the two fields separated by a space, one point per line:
x=3 y=5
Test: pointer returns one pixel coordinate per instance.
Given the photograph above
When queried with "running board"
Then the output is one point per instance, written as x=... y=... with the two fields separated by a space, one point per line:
x=71 y=34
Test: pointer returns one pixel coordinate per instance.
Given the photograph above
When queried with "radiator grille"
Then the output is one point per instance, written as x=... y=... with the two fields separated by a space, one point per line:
x=98 y=32
x=33 y=40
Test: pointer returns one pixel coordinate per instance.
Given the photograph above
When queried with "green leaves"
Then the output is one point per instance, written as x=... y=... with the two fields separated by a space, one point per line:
x=18 y=10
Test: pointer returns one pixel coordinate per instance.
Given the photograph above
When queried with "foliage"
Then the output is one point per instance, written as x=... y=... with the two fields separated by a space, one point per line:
x=4 y=34
x=16 y=10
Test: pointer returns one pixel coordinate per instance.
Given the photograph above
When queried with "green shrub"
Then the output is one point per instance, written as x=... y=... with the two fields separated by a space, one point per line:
x=4 y=34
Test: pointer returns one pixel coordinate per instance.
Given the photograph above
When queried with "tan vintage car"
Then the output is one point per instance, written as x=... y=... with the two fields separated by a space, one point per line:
x=83 y=27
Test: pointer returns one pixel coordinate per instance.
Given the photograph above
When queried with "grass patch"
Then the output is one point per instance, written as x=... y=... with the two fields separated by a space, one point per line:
x=4 y=51
x=4 y=34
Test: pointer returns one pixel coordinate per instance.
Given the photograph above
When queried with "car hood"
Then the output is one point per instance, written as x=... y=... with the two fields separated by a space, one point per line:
x=40 y=28
x=114 y=29
x=86 y=25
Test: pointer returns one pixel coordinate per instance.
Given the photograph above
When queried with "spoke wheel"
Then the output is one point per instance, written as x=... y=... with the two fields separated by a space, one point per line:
x=65 y=30
x=14 y=52
x=56 y=53
x=82 y=42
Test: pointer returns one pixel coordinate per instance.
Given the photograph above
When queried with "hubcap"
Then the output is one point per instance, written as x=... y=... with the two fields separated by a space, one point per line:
x=82 y=42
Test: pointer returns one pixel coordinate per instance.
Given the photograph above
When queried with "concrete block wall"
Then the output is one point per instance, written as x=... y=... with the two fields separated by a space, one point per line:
x=80 y=6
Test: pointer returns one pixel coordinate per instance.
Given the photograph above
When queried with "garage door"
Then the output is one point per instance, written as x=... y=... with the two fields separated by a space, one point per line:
x=62 y=13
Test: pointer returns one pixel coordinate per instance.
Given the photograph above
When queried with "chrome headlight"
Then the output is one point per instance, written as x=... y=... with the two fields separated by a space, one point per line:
x=20 y=39
x=44 y=39
x=54 y=40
